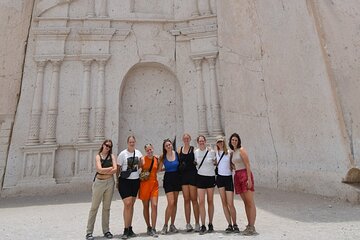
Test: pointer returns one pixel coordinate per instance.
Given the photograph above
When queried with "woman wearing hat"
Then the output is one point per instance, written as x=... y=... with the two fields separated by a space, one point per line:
x=225 y=184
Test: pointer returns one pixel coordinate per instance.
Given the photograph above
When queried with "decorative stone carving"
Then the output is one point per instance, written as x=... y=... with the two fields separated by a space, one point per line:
x=85 y=103
x=103 y=13
x=195 y=12
x=100 y=101
x=90 y=9
x=36 y=111
x=214 y=98
x=201 y=107
x=38 y=165
x=53 y=103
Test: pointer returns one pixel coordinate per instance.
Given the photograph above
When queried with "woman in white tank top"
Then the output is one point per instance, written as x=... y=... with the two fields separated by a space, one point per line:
x=243 y=181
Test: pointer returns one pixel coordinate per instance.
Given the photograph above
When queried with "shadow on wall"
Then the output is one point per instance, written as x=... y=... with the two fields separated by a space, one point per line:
x=305 y=207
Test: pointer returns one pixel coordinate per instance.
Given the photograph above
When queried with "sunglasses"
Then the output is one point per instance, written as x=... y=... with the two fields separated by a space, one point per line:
x=107 y=145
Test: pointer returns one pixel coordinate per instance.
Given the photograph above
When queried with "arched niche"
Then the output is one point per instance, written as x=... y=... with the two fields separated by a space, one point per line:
x=150 y=106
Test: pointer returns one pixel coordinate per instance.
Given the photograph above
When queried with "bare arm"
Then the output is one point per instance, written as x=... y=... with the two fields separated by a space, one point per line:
x=245 y=159
x=161 y=163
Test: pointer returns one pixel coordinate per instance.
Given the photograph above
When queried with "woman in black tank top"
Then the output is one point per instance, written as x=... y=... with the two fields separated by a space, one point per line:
x=188 y=172
x=102 y=189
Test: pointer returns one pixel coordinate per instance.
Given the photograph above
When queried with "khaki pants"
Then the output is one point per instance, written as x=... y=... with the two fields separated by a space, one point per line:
x=102 y=190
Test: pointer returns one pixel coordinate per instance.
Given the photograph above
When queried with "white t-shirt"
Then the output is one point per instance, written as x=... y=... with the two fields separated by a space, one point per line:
x=207 y=168
x=125 y=159
x=224 y=168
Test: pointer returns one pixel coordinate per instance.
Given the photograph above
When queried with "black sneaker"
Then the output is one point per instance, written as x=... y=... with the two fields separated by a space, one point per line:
x=202 y=230
x=236 y=228
x=210 y=228
x=149 y=232
x=131 y=233
x=108 y=235
x=89 y=236
x=230 y=229
x=125 y=234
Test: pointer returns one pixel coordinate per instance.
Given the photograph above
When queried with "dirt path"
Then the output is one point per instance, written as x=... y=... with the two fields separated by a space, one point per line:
x=280 y=215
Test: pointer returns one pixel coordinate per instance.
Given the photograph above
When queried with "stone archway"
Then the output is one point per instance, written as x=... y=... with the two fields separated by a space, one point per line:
x=150 y=106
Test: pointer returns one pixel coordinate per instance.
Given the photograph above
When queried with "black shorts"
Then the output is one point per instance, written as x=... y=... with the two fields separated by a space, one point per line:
x=225 y=181
x=188 y=178
x=128 y=187
x=205 y=181
x=171 y=182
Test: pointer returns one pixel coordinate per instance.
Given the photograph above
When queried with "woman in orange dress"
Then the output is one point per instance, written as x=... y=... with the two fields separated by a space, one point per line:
x=149 y=189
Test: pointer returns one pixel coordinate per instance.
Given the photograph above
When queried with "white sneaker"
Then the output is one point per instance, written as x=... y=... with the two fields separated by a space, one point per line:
x=173 y=229
x=197 y=227
x=189 y=228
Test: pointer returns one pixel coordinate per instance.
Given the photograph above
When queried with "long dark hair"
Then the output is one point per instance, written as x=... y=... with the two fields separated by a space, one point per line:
x=239 y=141
x=162 y=156
x=102 y=146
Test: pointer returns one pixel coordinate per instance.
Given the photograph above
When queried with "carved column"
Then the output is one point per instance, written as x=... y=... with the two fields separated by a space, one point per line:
x=100 y=102
x=90 y=9
x=207 y=8
x=201 y=107
x=103 y=9
x=85 y=103
x=196 y=12
x=214 y=98
x=53 y=104
x=36 y=110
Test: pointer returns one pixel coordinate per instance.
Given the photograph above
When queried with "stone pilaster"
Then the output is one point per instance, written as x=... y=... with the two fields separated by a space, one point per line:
x=90 y=13
x=36 y=110
x=100 y=102
x=214 y=97
x=201 y=107
x=195 y=12
x=85 y=103
x=53 y=103
x=207 y=8
x=103 y=13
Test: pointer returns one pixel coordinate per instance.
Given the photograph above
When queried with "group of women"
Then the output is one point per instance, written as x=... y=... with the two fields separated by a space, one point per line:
x=195 y=172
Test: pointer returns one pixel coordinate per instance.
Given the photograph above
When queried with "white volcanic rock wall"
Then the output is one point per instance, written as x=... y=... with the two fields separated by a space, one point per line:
x=283 y=74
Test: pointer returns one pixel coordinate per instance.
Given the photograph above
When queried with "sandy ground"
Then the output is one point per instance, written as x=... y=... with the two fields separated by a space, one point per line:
x=280 y=215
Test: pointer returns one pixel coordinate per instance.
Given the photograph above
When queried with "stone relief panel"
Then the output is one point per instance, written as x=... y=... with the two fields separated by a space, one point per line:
x=31 y=167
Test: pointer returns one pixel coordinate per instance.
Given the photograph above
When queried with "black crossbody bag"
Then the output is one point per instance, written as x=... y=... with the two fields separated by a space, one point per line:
x=216 y=168
x=202 y=161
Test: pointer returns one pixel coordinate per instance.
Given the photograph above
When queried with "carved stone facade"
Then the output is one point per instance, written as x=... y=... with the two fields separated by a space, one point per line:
x=99 y=69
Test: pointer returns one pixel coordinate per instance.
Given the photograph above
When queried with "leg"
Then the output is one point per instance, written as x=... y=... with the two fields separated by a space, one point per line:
x=223 y=197
x=128 y=210
x=97 y=195
x=154 y=203
x=133 y=199
x=173 y=214
x=210 y=201
x=195 y=204
x=107 y=198
x=201 y=194
x=146 y=212
x=230 y=206
x=170 y=206
x=250 y=209
x=187 y=207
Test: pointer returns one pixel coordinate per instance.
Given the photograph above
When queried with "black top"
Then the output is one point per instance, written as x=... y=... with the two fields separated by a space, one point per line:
x=107 y=162
x=189 y=159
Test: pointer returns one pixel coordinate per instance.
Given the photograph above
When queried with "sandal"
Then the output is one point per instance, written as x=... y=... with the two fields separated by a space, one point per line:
x=108 y=235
